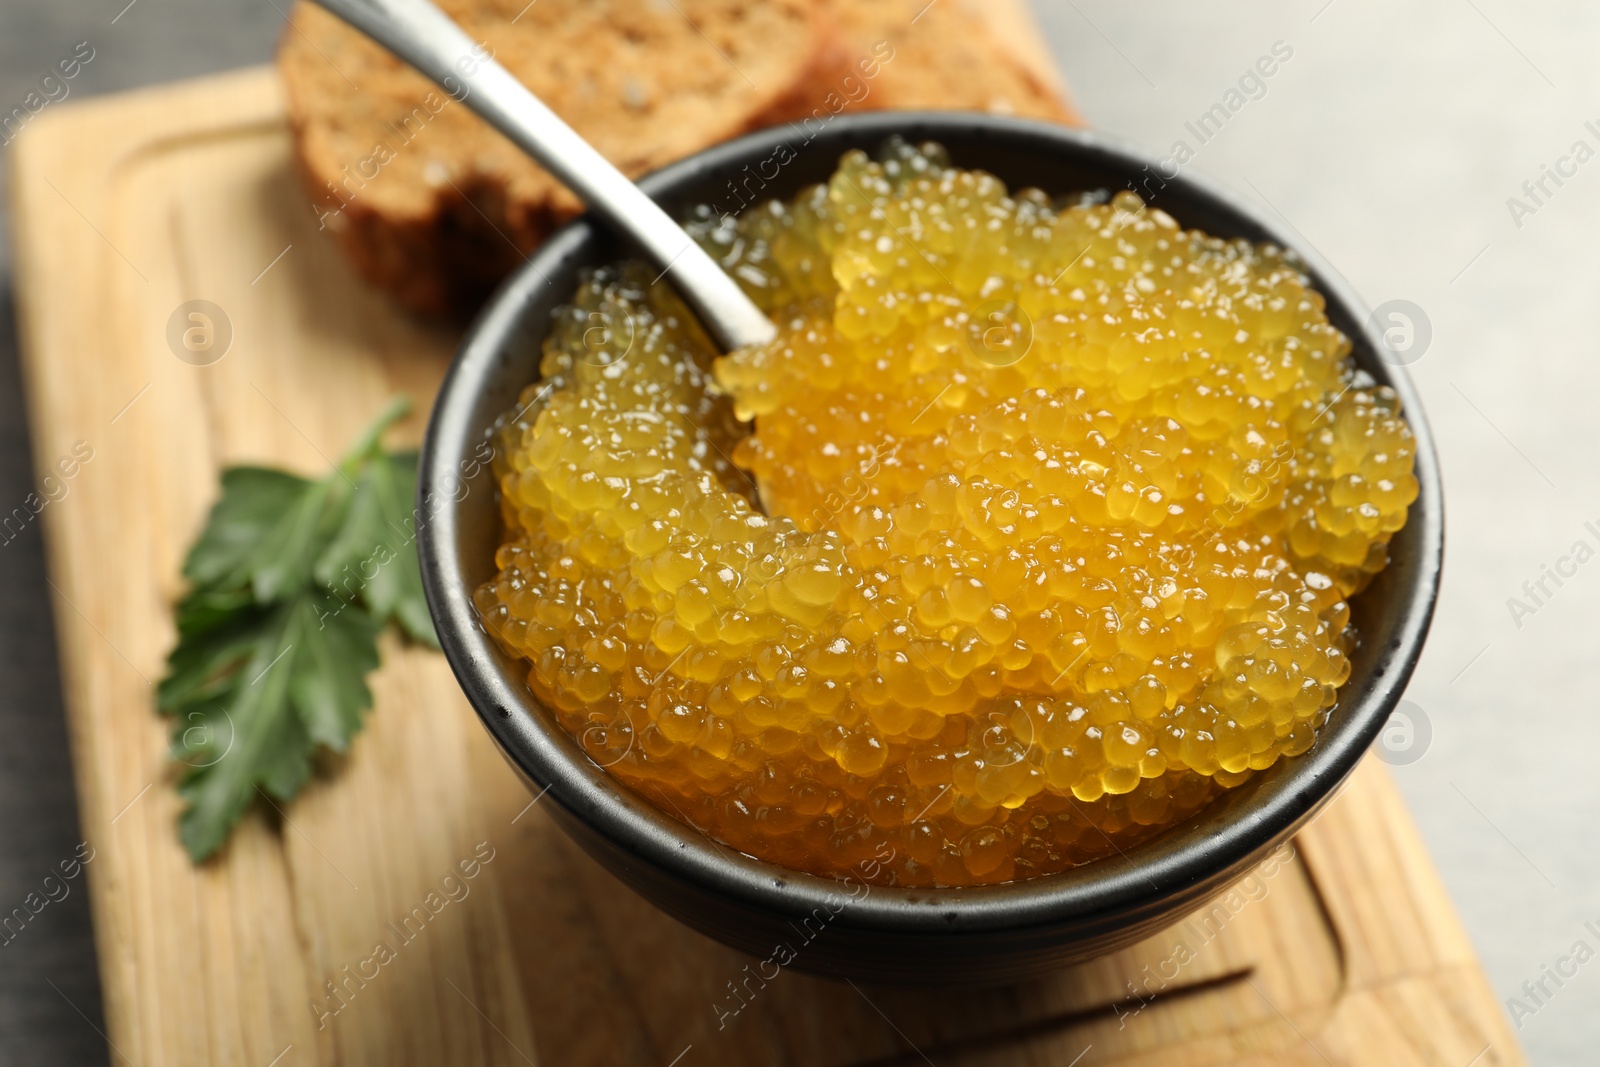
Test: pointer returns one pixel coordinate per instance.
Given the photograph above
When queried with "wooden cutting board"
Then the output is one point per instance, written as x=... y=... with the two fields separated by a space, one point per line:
x=1344 y=950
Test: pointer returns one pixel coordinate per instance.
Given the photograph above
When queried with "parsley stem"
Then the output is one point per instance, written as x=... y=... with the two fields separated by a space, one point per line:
x=367 y=443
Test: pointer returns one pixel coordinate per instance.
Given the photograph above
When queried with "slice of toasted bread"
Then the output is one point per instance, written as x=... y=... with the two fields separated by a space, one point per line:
x=434 y=206
x=943 y=56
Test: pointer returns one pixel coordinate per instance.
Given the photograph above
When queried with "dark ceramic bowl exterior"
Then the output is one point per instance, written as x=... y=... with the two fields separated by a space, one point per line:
x=985 y=934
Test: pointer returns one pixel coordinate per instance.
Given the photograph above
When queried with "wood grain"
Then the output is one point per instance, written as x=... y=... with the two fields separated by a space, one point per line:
x=1346 y=952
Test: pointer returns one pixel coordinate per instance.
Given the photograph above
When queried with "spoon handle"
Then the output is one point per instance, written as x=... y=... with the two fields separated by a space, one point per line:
x=426 y=38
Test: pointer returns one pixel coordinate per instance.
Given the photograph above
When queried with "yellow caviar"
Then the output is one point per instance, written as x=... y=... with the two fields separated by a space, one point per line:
x=1042 y=536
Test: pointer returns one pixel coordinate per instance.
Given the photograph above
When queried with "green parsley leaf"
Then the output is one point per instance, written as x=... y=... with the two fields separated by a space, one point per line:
x=291 y=582
x=260 y=532
x=373 y=555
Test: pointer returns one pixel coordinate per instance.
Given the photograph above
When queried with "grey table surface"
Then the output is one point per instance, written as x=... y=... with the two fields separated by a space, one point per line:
x=1396 y=139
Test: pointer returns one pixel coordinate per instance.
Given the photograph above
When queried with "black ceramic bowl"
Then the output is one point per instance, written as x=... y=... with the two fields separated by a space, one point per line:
x=983 y=934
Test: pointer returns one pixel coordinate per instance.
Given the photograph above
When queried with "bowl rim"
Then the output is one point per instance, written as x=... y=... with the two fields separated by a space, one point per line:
x=547 y=757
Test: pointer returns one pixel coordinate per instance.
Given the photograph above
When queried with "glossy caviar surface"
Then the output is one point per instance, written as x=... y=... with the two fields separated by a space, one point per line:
x=1041 y=536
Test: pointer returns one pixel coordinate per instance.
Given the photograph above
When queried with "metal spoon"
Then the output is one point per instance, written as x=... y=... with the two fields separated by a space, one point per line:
x=425 y=37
